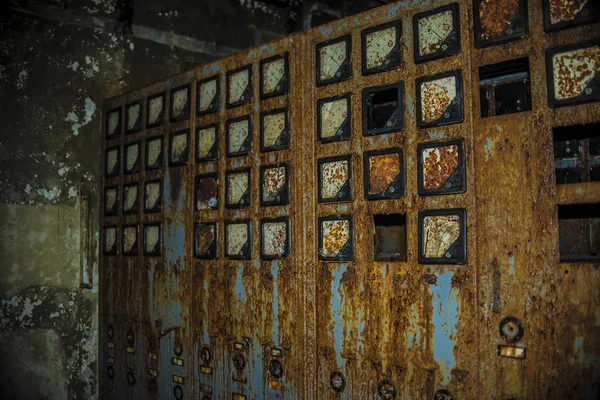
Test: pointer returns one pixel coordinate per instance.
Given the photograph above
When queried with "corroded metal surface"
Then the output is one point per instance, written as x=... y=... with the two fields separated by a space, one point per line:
x=496 y=15
x=438 y=165
x=574 y=70
x=383 y=170
x=423 y=330
x=565 y=10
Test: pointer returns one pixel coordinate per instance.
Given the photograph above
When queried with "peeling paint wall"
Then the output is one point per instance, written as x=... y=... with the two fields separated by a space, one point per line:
x=58 y=62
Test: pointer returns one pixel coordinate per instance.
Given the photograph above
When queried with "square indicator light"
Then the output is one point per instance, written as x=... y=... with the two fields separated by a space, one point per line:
x=440 y=99
x=237 y=188
x=152 y=239
x=179 y=147
x=130 y=199
x=334 y=119
x=207 y=95
x=499 y=21
x=335 y=179
x=133 y=117
x=573 y=74
x=154 y=153
x=385 y=174
x=437 y=33
x=274 y=76
x=130 y=240
x=111 y=201
x=383 y=109
x=207 y=192
x=113 y=123
x=274 y=185
x=239 y=86
x=239 y=136
x=441 y=168
x=275 y=238
x=335 y=238
x=180 y=103
x=333 y=60
x=381 y=47
x=207 y=143
x=238 y=240
x=155 y=112
x=112 y=162
x=153 y=196
x=563 y=14
x=274 y=130
x=443 y=236
x=110 y=240
x=132 y=158
x=205 y=240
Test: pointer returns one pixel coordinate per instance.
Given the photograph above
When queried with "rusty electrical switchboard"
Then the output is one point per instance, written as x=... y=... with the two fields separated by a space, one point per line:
x=404 y=203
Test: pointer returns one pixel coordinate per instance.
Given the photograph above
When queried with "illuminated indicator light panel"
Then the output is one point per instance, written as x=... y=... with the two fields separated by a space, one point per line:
x=110 y=240
x=383 y=109
x=177 y=361
x=155 y=110
x=334 y=119
x=275 y=238
x=180 y=103
x=499 y=21
x=563 y=14
x=511 y=352
x=274 y=76
x=239 y=86
x=112 y=162
x=238 y=346
x=113 y=123
x=239 y=136
x=274 y=185
x=333 y=60
x=153 y=196
x=238 y=240
x=152 y=239
x=133 y=117
x=132 y=158
x=384 y=174
x=207 y=192
x=335 y=179
x=205 y=370
x=205 y=240
x=276 y=352
x=381 y=49
x=237 y=188
x=439 y=99
x=442 y=236
x=274 y=130
x=111 y=201
x=207 y=143
x=335 y=238
x=207 y=96
x=130 y=240
x=573 y=74
x=436 y=33
x=130 y=199
x=441 y=168
x=179 y=147
x=154 y=153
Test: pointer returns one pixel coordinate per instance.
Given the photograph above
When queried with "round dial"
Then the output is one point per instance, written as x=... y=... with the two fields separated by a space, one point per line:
x=110 y=200
x=180 y=99
x=273 y=127
x=154 y=151
x=333 y=115
x=237 y=185
x=574 y=70
x=208 y=91
x=272 y=74
x=379 y=45
x=439 y=233
x=334 y=176
x=178 y=147
x=155 y=108
x=152 y=195
x=238 y=133
x=436 y=96
x=433 y=31
x=511 y=329
x=238 y=82
x=151 y=238
x=237 y=236
x=337 y=381
x=132 y=155
x=276 y=369
x=131 y=196
x=206 y=142
x=133 y=114
x=335 y=235
x=331 y=58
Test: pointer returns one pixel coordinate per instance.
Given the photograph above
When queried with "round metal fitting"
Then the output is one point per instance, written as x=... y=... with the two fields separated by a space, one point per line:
x=276 y=369
x=178 y=350
x=337 y=381
x=386 y=390
x=511 y=329
x=205 y=355
x=239 y=362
